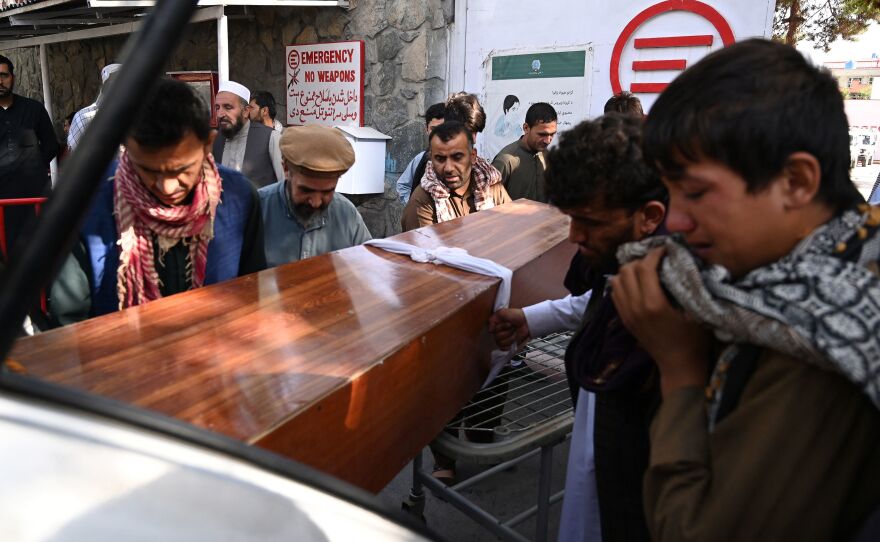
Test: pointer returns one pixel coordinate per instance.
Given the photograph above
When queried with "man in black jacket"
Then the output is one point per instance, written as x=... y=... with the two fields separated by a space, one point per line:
x=27 y=146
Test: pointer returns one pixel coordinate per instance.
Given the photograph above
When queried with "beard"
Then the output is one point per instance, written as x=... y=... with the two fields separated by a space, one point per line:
x=5 y=91
x=606 y=260
x=454 y=185
x=306 y=211
x=231 y=131
x=462 y=180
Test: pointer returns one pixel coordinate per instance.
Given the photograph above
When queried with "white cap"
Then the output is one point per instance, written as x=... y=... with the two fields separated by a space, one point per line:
x=108 y=69
x=239 y=90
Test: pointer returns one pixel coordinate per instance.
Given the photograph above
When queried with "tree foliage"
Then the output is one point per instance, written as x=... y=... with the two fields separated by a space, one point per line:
x=823 y=21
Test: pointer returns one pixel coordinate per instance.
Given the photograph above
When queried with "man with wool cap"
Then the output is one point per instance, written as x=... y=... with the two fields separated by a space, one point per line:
x=300 y=215
x=249 y=147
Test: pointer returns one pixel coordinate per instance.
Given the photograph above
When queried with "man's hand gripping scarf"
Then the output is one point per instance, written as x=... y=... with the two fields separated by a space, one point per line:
x=820 y=303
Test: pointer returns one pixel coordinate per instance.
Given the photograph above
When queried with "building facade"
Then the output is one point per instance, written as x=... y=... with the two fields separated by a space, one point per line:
x=856 y=79
x=405 y=64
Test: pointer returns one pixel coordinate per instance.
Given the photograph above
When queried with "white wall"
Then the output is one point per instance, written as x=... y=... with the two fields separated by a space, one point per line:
x=482 y=26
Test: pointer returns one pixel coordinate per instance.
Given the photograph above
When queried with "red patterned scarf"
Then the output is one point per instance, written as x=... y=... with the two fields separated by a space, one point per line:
x=142 y=220
x=483 y=176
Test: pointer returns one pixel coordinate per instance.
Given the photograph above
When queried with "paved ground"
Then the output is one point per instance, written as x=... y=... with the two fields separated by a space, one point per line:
x=504 y=495
x=864 y=178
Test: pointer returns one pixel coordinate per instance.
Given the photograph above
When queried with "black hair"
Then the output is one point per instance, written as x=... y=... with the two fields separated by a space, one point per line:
x=436 y=111
x=624 y=102
x=265 y=99
x=466 y=109
x=450 y=129
x=540 y=112
x=172 y=110
x=600 y=161
x=5 y=60
x=749 y=107
x=509 y=102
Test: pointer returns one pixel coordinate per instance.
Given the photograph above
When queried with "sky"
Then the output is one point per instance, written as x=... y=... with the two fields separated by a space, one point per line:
x=860 y=49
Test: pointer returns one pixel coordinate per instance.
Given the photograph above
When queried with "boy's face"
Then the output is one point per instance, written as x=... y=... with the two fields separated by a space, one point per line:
x=725 y=224
x=170 y=173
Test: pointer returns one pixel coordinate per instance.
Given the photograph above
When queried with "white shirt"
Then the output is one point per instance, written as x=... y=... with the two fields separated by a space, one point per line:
x=78 y=124
x=555 y=315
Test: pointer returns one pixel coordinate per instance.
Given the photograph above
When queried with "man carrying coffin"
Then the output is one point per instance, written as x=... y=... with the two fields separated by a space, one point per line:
x=457 y=183
x=302 y=218
x=166 y=220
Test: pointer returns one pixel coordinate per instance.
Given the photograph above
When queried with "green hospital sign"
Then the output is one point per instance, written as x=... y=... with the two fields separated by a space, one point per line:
x=539 y=65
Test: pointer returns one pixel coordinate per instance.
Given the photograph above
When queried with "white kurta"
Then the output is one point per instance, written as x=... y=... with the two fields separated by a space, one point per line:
x=580 y=506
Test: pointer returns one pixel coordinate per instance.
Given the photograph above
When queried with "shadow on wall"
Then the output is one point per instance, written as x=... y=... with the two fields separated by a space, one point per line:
x=381 y=212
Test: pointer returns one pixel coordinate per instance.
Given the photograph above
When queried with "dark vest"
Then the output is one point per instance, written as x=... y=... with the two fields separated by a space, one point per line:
x=621 y=444
x=257 y=163
x=224 y=251
x=420 y=170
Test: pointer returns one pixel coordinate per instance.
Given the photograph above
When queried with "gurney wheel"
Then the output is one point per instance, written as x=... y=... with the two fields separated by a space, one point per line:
x=415 y=507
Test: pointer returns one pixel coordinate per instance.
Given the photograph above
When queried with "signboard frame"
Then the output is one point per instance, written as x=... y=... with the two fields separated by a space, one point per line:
x=359 y=45
x=204 y=83
x=490 y=143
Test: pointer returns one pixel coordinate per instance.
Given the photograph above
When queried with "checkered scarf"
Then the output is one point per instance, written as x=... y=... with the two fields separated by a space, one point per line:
x=141 y=220
x=820 y=303
x=483 y=176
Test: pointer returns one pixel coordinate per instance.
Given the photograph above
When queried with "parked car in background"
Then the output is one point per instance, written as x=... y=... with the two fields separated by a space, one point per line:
x=862 y=146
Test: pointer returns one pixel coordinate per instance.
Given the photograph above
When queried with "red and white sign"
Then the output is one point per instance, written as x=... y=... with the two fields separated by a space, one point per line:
x=638 y=60
x=637 y=45
x=325 y=84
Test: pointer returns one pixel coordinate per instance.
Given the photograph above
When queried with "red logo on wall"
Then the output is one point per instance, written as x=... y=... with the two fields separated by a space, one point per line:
x=707 y=12
x=293 y=59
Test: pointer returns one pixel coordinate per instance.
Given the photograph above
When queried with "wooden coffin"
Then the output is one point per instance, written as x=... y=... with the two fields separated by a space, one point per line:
x=349 y=362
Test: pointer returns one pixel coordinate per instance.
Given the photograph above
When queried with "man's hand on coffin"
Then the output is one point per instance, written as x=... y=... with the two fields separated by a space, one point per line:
x=508 y=326
x=680 y=347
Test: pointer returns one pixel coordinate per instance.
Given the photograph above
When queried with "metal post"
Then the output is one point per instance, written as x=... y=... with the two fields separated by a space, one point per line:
x=417 y=483
x=47 y=102
x=466 y=507
x=415 y=503
x=543 y=519
x=223 y=47
x=456 y=68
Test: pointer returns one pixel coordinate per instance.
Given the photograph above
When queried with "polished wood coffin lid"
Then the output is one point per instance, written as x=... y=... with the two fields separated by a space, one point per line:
x=350 y=362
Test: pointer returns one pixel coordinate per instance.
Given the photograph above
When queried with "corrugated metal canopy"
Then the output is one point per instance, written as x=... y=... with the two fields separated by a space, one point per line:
x=25 y=23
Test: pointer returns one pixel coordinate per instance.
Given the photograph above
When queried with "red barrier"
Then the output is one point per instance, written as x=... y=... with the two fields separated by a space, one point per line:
x=4 y=203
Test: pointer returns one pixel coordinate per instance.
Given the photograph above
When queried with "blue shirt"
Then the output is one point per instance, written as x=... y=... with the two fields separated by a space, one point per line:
x=404 y=182
x=288 y=240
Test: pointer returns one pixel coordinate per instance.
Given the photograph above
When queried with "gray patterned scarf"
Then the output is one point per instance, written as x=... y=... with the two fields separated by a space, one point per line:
x=820 y=303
